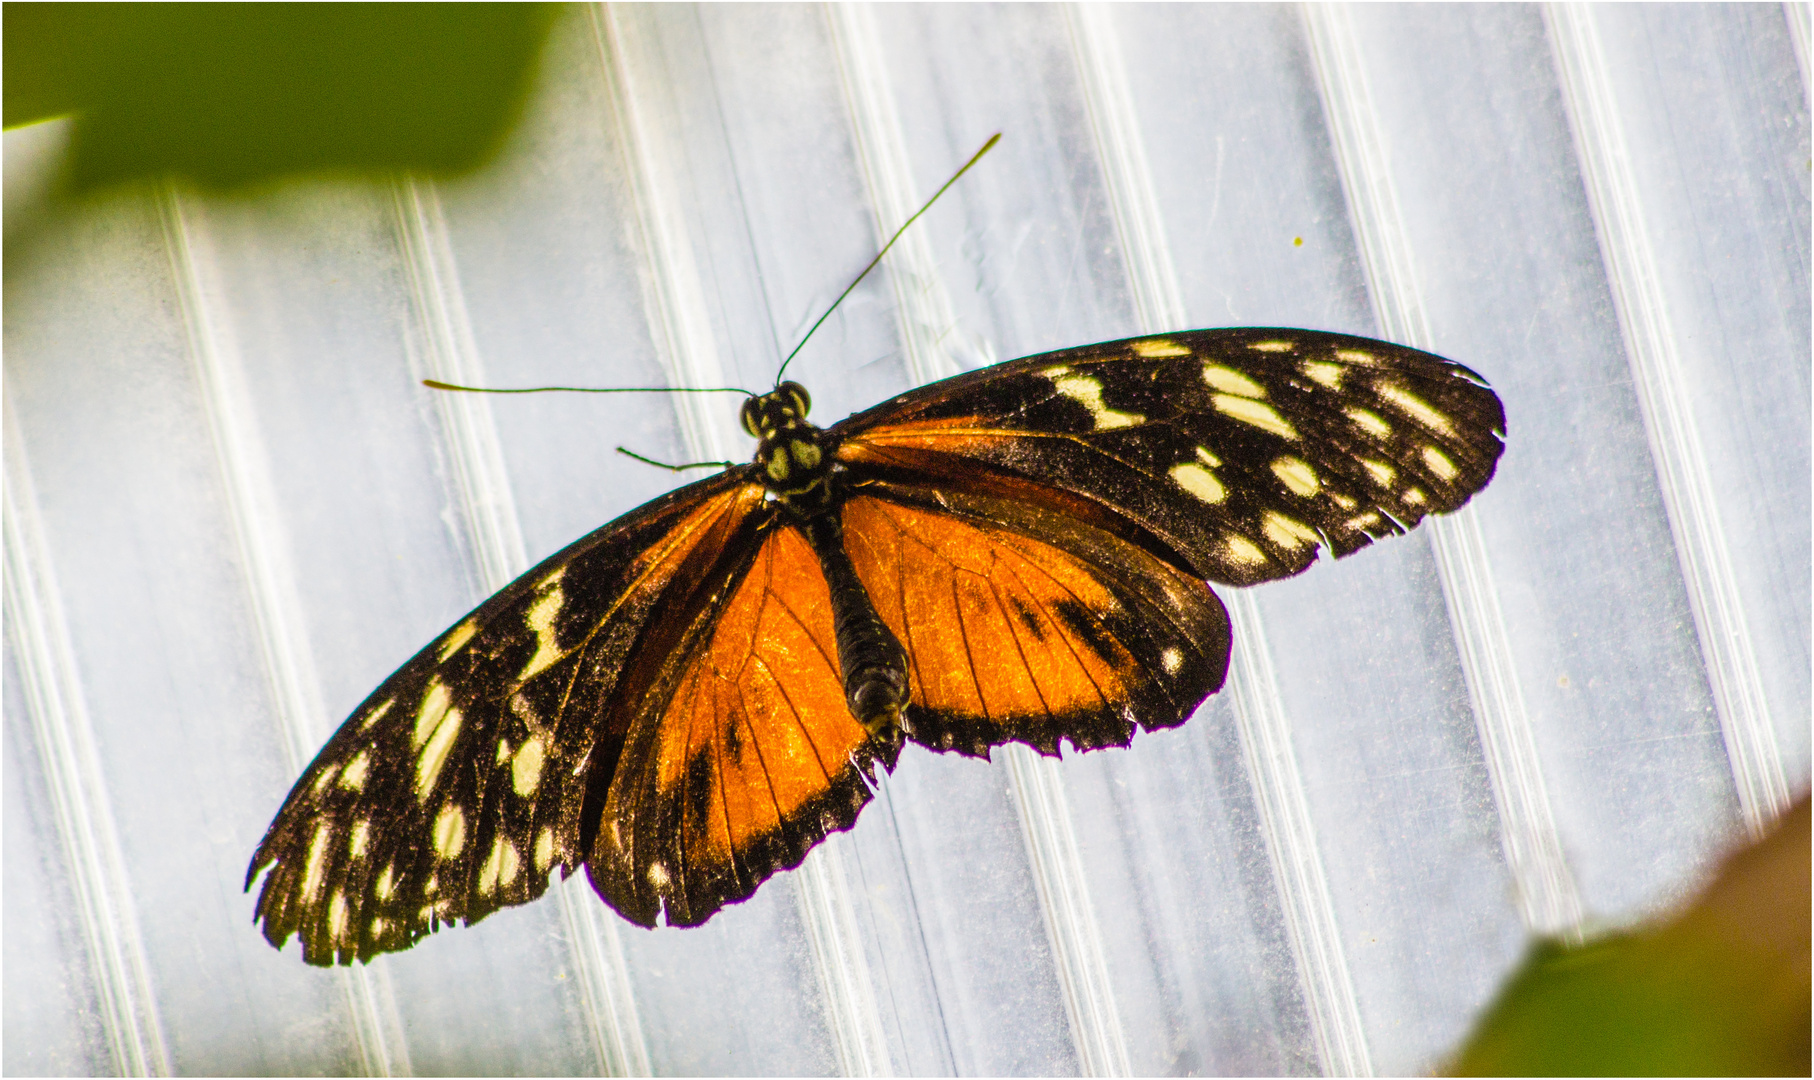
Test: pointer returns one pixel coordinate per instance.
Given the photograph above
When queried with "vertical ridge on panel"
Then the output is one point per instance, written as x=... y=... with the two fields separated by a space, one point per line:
x=1284 y=809
x=1064 y=896
x=927 y=314
x=270 y=577
x=673 y=294
x=64 y=737
x=450 y=353
x=1259 y=710
x=682 y=331
x=1549 y=900
x=1654 y=353
x=1797 y=14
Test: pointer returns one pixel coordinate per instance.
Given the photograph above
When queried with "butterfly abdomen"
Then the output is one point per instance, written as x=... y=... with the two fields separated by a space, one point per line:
x=874 y=666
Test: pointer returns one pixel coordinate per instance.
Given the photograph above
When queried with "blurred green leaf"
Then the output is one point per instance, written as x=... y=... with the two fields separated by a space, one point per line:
x=1722 y=989
x=231 y=94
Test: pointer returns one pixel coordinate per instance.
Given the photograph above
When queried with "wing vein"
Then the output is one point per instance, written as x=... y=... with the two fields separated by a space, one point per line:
x=768 y=779
x=1066 y=637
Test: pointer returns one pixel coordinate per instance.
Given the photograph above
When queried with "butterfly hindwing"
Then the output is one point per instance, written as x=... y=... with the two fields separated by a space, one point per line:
x=1025 y=624
x=744 y=755
x=459 y=783
x=1243 y=450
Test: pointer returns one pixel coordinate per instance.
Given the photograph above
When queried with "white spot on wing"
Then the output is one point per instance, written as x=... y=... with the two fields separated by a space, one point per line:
x=353 y=778
x=1287 y=533
x=1296 y=474
x=1439 y=463
x=1272 y=346
x=1381 y=472
x=1416 y=408
x=1254 y=414
x=377 y=714
x=360 y=832
x=1322 y=371
x=1171 y=660
x=386 y=883
x=541 y=620
x=526 y=770
x=434 y=755
x=658 y=875
x=434 y=706
x=1229 y=381
x=1199 y=482
x=488 y=874
x=457 y=639
x=1087 y=391
x=1370 y=423
x=337 y=916
x=450 y=831
x=311 y=870
x=544 y=850
x=1244 y=551
x=1155 y=348
x=1355 y=356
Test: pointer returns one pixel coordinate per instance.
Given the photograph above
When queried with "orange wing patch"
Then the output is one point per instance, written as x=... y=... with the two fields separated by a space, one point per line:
x=951 y=435
x=978 y=611
x=755 y=756
x=1009 y=637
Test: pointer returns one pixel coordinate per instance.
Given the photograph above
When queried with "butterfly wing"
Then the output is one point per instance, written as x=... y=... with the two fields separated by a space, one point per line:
x=1028 y=622
x=742 y=754
x=456 y=787
x=1036 y=533
x=1242 y=450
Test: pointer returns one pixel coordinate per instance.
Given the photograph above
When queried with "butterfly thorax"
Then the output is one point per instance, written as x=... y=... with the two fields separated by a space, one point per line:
x=796 y=466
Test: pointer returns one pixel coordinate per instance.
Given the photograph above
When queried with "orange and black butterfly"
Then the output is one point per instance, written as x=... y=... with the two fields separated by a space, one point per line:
x=690 y=698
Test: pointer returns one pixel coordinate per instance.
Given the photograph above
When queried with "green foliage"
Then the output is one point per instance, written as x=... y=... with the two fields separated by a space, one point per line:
x=1720 y=990
x=233 y=94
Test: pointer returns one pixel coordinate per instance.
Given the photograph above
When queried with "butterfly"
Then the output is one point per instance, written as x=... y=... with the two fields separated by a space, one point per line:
x=690 y=698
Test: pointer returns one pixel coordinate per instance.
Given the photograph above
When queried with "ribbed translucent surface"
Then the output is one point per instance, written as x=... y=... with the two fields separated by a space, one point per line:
x=231 y=510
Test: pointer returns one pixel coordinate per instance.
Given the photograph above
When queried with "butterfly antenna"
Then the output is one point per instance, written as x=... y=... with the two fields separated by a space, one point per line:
x=676 y=468
x=974 y=158
x=437 y=384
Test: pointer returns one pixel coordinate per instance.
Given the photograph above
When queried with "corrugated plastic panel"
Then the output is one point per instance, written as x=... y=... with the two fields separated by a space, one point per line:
x=231 y=510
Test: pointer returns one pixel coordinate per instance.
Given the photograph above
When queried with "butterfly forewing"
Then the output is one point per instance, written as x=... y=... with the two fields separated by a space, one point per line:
x=456 y=787
x=1244 y=451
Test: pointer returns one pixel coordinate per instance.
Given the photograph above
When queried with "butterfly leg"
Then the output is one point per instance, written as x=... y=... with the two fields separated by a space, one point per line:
x=873 y=663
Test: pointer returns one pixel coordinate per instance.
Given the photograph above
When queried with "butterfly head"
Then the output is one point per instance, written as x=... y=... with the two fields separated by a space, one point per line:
x=784 y=406
x=792 y=452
